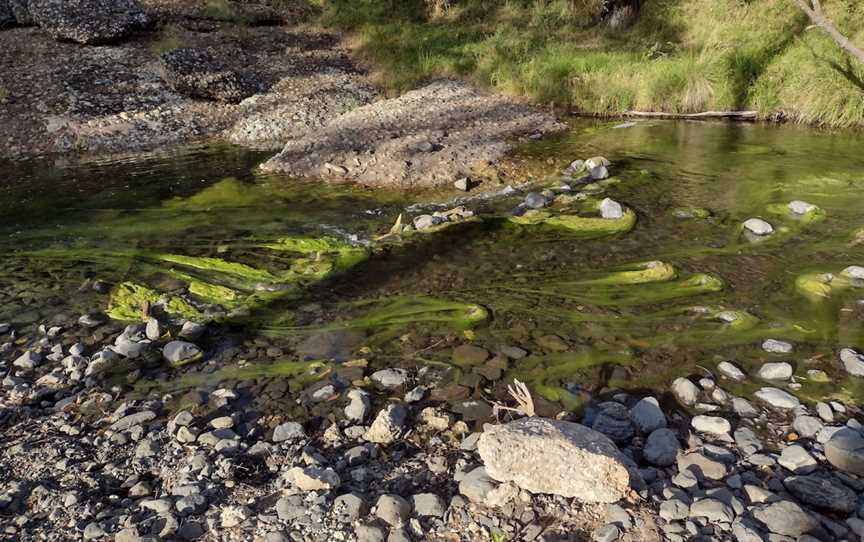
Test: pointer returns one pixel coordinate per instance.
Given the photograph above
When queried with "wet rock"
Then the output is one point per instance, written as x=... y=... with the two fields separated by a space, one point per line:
x=90 y=22
x=599 y=173
x=153 y=330
x=757 y=226
x=823 y=410
x=647 y=415
x=597 y=161
x=179 y=352
x=7 y=18
x=730 y=370
x=824 y=493
x=331 y=345
x=711 y=424
x=392 y=509
x=390 y=379
x=777 y=398
x=613 y=421
x=744 y=408
x=288 y=431
x=855 y=272
x=852 y=361
x=611 y=209
x=777 y=347
x=387 y=426
x=685 y=391
x=313 y=478
x=785 y=518
x=661 y=447
x=468 y=355
x=552 y=343
x=801 y=207
x=796 y=459
x=550 y=456
x=845 y=450
x=775 y=371
x=423 y=222
x=533 y=200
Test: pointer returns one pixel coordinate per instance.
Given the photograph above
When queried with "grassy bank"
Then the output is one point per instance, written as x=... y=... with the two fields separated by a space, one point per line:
x=680 y=55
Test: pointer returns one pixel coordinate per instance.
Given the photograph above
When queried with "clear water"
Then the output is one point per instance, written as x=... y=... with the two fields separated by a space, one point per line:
x=62 y=224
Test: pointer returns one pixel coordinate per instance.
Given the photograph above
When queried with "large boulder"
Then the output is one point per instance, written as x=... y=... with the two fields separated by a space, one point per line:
x=557 y=457
x=90 y=22
x=197 y=73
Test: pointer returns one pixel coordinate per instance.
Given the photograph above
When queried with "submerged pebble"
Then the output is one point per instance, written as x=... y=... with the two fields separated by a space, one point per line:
x=757 y=226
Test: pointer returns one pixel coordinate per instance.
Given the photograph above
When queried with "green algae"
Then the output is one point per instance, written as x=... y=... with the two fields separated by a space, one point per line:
x=129 y=300
x=581 y=226
x=782 y=210
x=638 y=273
x=246 y=274
x=818 y=287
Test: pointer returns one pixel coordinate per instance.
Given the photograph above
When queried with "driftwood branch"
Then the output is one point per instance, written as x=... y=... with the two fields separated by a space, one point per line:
x=734 y=115
x=813 y=9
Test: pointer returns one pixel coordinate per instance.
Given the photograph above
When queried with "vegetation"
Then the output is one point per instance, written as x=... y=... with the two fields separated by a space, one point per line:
x=678 y=56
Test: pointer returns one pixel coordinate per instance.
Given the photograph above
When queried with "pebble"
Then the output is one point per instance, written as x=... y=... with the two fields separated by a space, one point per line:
x=757 y=226
x=387 y=426
x=777 y=347
x=775 y=371
x=607 y=533
x=359 y=405
x=730 y=370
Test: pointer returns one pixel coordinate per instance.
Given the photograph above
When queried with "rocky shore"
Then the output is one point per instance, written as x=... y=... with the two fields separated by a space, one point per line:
x=105 y=76
x=389 y=454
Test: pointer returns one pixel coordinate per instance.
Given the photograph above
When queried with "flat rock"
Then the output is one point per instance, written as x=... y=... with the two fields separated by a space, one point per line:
x=777 y=347
x=777 y=398
x=702 y=466
x=390 y=378
x=713 y=510
x=90 y=22
x=785 y=518
x=468 y=355
x=557 y=457
x=331 y=345
x=825 y=493
x=476 y=485
x=797 y=459
x=714 y=425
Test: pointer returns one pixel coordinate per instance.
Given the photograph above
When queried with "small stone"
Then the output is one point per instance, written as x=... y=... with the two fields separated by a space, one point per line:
x=744 y=408
x=757 y=226
x=428 y=505
x=387 y=427
x=799 y=207
x=533 y=200
x=807 y=426
x=390 y=378
x=712 y=509
x=392 y=509
x=153 y=330
x=313 y=478
x=222 y=422
x=823 y=410
x=730 y=370
x=674 y=509
x=661 y=447
x=288 y=431
x=775 y=371
x=179 y=352
x=685 y=391
x=777 y=398
x=349 y=507
x=702 y=466
x=476 y=485
x=138 y=418
x=853 y=362
x=358 y=408
x=796 y=459
x=777 y=347
x=711 y=424
x=854 y=272
x=611 y=209
x=369 y=533
x=607 y=533
x=462 y=184
x=647 y=415
x=614 y=422
x=468 y=355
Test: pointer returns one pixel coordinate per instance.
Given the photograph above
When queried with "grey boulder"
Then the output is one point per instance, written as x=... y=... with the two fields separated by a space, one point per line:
x=556 y=457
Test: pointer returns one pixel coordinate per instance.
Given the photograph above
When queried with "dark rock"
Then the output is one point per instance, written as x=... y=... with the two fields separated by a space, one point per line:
x=614 y=422
x=333 y=345
x=90 y=22
x=198 y=74
x=661 y=447
x=823 y=493
x=7 y=18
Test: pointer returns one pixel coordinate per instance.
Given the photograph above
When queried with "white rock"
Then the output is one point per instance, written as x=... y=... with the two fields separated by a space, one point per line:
x=801 y=207
x=777 y=398
x=550 y=456
x=757 y=226
x=611 y=209
x=852 y=361
x=711 y=424
x=685 y=391
x=730 y=370
x=313 y=478
x=854 y=272
x=777 y=347
x=597 y=161
x=775 y=371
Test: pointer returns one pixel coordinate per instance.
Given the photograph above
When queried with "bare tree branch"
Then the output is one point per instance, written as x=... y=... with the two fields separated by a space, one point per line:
x=813 y=9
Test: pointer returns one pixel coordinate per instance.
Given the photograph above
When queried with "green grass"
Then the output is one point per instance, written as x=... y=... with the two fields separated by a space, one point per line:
x=680 y=56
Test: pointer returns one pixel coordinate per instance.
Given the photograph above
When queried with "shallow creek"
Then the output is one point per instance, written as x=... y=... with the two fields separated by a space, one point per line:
x=198 y=234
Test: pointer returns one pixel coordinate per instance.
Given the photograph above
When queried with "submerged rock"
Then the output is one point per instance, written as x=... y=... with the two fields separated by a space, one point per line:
x=775 y=371
x=777 y=398
x=777 y=347
x=757 y=226
x=611 y=209
x=90 y=22
x=557 y=457
x=801 y=207
x=855 y=272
